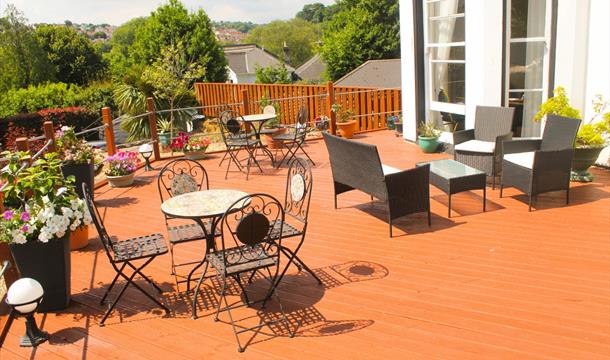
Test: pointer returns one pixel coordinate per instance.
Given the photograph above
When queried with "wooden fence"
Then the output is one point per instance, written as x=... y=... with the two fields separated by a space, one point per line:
x=371 y=106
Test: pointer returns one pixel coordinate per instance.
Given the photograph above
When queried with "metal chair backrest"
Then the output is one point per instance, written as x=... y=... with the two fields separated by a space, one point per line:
x=97 y=221
x=246 y=229
x=269 y=109
x=300 y=126
x=492 y=121
x=299 y=183
x=559 y=133
x=181 y=176
x=232 y=125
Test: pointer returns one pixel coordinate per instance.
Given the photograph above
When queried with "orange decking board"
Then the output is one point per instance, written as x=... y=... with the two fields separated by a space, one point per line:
x=502 y=284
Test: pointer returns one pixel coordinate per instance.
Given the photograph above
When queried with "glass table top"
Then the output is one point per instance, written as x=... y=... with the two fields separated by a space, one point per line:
x=449 y=169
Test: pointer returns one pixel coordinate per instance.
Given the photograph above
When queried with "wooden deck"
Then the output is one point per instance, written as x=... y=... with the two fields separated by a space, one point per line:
x=503 y=284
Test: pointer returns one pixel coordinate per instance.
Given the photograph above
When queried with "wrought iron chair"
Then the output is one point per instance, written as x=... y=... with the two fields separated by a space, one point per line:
x=179 y=177
x=536 y=166
x=123 y=253
x=269 y=109
x=293 y=141
x=481 y=147
x=236 y=138
x=247 y=246
x=299 y=183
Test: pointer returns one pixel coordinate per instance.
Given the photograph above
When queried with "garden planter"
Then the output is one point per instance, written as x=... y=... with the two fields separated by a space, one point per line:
x=346 y=129
x=194 y=155
x=398 y=128
x=49 y=264
x=83 y=174
x=79 y=238
x=583 y=159
x=120 y=181
x=427 y=144
x=164 y=139
x=267 y=139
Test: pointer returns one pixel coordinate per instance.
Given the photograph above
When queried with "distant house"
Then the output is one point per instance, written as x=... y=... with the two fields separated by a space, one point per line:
x=374 y=73
x=243 y=60
x=312 y=70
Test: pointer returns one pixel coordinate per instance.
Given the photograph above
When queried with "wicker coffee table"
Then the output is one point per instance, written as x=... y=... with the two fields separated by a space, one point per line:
x=453 y=177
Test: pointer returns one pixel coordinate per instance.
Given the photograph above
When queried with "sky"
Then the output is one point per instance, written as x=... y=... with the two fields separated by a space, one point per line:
x=116 y=12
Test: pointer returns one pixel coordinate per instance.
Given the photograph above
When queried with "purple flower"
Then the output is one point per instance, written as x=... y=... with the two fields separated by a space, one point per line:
x=25 y=228
x=8 y=215
x=25 y=216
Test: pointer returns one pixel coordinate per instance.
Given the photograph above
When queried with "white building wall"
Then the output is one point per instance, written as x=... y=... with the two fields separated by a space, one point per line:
x=407 y=68
x=483 y=55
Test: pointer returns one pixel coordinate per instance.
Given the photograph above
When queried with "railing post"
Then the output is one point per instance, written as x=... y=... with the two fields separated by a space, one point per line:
x=22 y=144
x=152 y=123
x=245 y=102
x=49 y=134
x=330 y=100
x=108 y=131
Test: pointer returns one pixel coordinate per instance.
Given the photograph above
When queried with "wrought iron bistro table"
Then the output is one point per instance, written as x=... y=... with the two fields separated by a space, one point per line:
x=200 y=205
x=453 y=177
x=257 y=121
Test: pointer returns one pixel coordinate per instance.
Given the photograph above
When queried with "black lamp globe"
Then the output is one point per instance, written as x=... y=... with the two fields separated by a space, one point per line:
x=24 y=296
x=146 y=150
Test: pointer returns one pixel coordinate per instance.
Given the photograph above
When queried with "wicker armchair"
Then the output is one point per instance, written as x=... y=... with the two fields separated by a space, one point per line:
x=536 y=166
x=357 y=166
x=481 y=147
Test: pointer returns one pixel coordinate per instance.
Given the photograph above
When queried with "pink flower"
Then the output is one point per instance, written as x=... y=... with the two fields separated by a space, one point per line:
x=25 y=216
x=25 y=228
x=8 y=215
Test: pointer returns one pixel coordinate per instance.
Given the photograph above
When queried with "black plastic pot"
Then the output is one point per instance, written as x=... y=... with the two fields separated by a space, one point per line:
x=83 y=173
x=49 y=264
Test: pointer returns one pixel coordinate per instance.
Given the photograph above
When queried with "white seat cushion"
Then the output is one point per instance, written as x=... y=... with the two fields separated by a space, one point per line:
x=525 y=159
x=388 y=169
x=476 y=146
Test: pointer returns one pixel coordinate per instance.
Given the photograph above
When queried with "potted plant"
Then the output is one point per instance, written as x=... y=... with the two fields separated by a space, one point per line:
x=345 y=126
x=163 y=128
x=398 y=126
x=42 y=209
x=79 y=159
x=592 y=136
x=193 y=147
x=121 y=168
x=428 y=137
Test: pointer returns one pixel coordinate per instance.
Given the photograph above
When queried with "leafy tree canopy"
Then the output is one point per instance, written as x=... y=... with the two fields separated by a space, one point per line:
x=72 y=54
x=171 y=24
x=273 y=75
x=122 y=39
x=299 y=36
x=243 y=26
x=362 y=30
x=22 y=60
x=317 y=12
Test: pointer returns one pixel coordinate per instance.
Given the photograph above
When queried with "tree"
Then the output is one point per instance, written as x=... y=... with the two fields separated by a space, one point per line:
x=362 y=30
x=123 y=37
x=317 y=12
x=72 y=54
x=171 y=24
x=22 y=60
x=298 y=35
x=273 y=75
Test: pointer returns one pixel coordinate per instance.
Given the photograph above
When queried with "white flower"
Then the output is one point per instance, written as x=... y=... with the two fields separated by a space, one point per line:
x=65 y=128
x=19 y=238
x=61 y=190
x=45 y=199
x=43 y=236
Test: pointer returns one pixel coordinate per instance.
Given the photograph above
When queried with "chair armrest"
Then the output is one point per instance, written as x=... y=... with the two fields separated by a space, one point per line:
x=500 y=140
x=517 y=146
x=408 y=191
x=463 y=136
x=555 y=161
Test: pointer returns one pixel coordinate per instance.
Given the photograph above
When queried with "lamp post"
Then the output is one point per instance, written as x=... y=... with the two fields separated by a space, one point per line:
x=146 y=150
x=24 y=296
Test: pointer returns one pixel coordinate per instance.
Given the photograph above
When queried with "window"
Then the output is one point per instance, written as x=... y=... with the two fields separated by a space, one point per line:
x=444 y=37
x=528 y=33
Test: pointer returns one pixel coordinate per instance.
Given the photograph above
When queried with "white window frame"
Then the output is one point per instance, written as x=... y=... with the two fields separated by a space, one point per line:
x=431 y=104
x=548 y=13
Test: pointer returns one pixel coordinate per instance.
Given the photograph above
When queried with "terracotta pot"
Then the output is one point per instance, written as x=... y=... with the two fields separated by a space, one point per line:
x=120 y=181
x=79 y=238
x=267 y=139
x=346 y=129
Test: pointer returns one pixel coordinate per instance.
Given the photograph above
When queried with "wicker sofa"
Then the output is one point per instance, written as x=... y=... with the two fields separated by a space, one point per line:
x=356 y=165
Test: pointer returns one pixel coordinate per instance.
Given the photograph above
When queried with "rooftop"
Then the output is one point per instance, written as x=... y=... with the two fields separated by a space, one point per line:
x=506 y=283
x=244 y=58
x=374 y=73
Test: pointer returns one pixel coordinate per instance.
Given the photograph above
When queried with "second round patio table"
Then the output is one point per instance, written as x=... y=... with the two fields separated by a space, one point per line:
x=201 y=205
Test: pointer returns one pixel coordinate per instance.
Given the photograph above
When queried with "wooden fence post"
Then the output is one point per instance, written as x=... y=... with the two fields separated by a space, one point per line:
x=108 y=131
x=22 y=144
x=49 y=134
x=330 y=100
x=152 y=123
x=245 y=102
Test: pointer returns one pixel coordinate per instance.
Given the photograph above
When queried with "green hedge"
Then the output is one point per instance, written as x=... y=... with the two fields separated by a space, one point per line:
x=55 y=95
